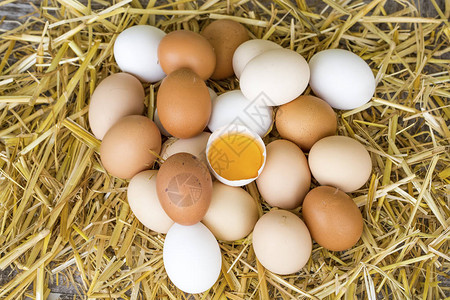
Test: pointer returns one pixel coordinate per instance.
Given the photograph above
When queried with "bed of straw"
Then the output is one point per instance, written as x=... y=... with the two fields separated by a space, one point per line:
x=65 y=221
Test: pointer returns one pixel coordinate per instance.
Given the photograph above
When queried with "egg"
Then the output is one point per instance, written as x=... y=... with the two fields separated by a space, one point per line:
x=282 y=242
x=341 y=162
x=136 y=52
x=233 y=108
x=130 y=146
x=187 y=49
x=192 y=258
x=285 y=179
x=275 y=77
x=305 y=120
x=184 y=188
x=158 y=123
x=195 y=145
x=116 y=96
x=183 y=103
x=249 y=50
x=341 y=78
x=333 y=219
x=143 y=201
x=236 y=155
x=225 y=36
x=232 y=213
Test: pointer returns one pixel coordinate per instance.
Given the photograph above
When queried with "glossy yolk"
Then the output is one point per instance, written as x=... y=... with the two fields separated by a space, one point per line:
x=236 y=156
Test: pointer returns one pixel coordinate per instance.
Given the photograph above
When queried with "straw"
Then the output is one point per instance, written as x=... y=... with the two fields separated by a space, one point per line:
x=63 y=219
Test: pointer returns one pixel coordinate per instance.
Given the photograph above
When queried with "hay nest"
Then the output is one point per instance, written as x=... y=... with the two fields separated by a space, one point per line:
x=64 y=220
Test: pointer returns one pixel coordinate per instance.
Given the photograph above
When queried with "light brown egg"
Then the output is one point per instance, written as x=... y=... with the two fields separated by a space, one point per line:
x=285 y=179
x=184 y=188
x=225 y=36
x=340 y=161
x=305 y=120
x=333 y=219
x=282 y=242
x=128 y=146
x=232 y=213
x=184 y=104
x=116 y=96
x=186 y=49
x=144 y=202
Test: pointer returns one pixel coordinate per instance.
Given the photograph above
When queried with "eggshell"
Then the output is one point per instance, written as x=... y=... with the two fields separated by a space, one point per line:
x=285 y=179
x=332 y=217
x=144 y=202
x=282 y=242
x=184 y=188
x=116 y=96
x=341 y=162
x=187 y=49
x=183 y=103
x=128 y=146
x=192 y=257
x=229 y=130
x=249 y=50
x=275 y=77
x=232 y=213
x=341 y=78
x=233 y=108
x=195 y=145
x=136 y=52
x=305 y=120
x=225 y=36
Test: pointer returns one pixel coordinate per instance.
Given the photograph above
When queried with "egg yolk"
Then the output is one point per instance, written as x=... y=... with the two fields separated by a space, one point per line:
x=236 y=156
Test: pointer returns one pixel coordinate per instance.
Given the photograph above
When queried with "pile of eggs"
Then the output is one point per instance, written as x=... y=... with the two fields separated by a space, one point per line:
x=195 y=196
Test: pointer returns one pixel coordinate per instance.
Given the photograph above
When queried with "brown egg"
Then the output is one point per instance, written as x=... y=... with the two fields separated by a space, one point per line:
x=184 y=188
x=305 y=120
x=333 y=219
x=186 y=49
x=285 y=179
x=183 y=103
x=116 y=96
x=128 y=146
x=225 y=36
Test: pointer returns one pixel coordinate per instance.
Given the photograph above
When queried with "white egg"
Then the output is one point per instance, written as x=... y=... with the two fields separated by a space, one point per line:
x=195 y=146
x=233 y=108
x=341 y=78
x=275 y=77
x=144 y=202
x=136 y=52
x=192 y=257
x=248 y=50
x=160 y=125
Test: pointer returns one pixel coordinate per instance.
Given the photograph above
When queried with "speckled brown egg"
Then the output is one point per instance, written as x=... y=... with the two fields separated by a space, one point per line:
x=184 y=188
x=186 y=49
x=183 y=103
x=305 y=120
x=225 y=36
x=333 y=218
x=129 y=146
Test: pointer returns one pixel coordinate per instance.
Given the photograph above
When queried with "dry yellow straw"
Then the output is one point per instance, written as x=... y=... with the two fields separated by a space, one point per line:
x=64 y=220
